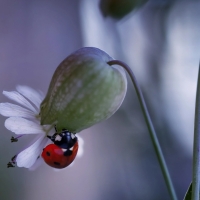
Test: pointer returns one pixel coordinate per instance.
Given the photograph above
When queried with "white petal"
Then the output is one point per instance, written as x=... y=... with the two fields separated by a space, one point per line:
x=20 y=125
x=15 y=96
x=29 y=156
x=31 y=94
x=80 y=146
x=12 y=110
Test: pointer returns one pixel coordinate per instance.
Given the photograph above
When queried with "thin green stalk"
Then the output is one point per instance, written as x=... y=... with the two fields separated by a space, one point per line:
x=150 y=128
x=196 y=159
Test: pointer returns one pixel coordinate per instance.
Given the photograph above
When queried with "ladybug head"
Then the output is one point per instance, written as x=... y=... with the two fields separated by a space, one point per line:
x=64 y=140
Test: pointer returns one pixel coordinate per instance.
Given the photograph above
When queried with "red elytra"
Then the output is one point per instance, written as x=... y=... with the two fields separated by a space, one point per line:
x=57 y=157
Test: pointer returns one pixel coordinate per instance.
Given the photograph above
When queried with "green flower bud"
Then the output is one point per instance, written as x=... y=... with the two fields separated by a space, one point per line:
x=119 y=8
x=84 y=90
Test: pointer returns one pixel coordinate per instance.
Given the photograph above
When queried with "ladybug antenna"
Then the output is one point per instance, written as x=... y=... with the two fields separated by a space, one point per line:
x=55 y=128
x=49 y=137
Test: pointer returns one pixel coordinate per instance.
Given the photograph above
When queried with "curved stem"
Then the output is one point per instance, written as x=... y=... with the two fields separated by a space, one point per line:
x=196 y=159
x=150 y=128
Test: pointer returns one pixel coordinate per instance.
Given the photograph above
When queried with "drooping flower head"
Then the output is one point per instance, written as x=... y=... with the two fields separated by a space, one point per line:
x=84 y=90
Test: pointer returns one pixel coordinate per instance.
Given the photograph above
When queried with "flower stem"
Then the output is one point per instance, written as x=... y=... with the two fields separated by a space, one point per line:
x=150 y=128
x=196 y=159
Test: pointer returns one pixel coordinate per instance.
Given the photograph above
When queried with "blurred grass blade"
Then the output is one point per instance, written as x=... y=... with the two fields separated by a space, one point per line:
x=196 y=145
x=188 y=195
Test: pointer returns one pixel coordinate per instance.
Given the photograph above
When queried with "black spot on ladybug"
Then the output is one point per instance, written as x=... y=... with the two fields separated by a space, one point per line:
x=47 y=153
x=68 y=153
x=56 y=163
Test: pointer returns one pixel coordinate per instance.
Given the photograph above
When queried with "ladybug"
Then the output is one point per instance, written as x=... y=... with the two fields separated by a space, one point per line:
x=63 y=152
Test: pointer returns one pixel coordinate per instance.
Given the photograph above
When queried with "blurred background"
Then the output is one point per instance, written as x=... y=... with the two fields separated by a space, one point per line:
x=160 y=40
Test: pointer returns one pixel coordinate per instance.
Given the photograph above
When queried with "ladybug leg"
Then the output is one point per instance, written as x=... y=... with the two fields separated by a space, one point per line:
x=52 y=138
x=55 y=128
